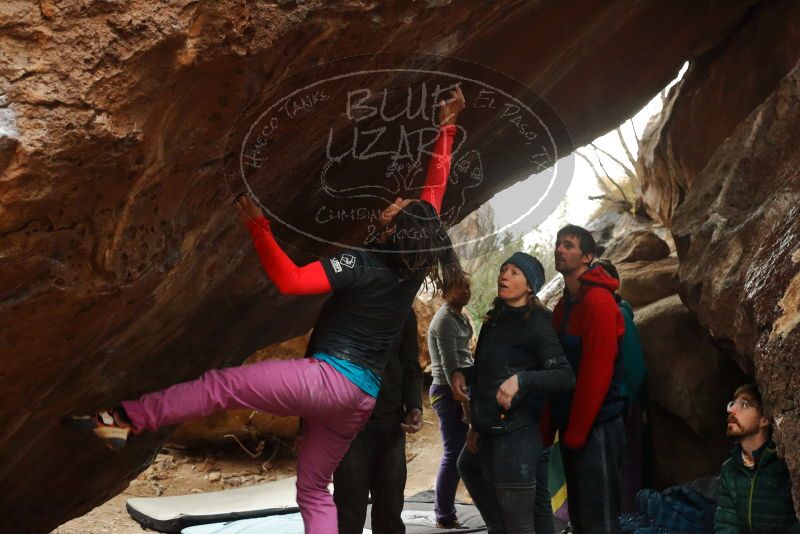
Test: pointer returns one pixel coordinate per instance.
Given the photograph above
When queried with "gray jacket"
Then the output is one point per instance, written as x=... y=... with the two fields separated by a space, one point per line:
x=448 y=343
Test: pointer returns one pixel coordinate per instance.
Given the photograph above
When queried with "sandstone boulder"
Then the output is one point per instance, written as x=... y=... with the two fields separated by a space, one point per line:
x=610 y=226
x=738 y=236
x=679 y=454
x=645 y=282
x=637 y=246
x=689 y=381
x=727 y=84
x=122 y=266
x=731 y=191
x=687 y=374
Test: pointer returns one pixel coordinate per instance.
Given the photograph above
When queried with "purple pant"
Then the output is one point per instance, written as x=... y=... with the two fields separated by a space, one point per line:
x=333 y=411
x=454 y=435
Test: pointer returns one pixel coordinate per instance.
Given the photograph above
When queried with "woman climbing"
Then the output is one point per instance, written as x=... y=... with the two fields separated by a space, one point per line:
x=518 y=361
x=334 y=390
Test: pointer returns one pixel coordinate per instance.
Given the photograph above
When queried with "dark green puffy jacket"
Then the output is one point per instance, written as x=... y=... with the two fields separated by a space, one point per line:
x=757 y=500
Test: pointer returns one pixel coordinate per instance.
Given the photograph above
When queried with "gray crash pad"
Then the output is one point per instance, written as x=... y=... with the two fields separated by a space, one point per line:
x=418 y=517
x=171 y=514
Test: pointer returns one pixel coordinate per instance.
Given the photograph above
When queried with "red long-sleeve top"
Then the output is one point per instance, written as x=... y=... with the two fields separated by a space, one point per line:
x=596 y=323
x=311 y=279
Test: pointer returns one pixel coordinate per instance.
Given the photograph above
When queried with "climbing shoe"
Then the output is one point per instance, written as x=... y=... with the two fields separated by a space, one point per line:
x=109 y=425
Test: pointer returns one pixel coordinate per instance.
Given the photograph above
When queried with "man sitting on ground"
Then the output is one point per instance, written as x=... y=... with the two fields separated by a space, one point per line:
x=755 y=489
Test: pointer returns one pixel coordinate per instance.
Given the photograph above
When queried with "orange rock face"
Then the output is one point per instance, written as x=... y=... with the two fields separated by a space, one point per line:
x=123 y=268
x=724 y=173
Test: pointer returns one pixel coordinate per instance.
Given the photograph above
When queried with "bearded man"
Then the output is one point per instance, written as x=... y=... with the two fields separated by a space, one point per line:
x=755 y=489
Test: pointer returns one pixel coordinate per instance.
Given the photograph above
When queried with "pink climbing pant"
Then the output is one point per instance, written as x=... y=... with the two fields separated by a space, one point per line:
x=333 y=410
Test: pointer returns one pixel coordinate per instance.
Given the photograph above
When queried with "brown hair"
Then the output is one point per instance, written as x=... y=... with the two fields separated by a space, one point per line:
x=460 y=288
x=751 y=393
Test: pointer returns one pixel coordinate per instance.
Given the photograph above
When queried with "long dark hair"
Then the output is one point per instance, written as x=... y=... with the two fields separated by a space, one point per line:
x=419 y=246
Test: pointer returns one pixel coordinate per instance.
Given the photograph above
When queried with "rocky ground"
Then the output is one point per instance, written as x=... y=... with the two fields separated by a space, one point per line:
x=178 y=472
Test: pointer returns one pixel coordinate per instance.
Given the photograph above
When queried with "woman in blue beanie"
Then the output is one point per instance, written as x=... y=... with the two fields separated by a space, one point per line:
x=518 y=362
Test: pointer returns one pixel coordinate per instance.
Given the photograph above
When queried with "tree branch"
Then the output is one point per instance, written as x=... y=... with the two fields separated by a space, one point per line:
x=635 y=135
x=627 y=150
x=628 y=172
x=624 y=196
x=591 y=164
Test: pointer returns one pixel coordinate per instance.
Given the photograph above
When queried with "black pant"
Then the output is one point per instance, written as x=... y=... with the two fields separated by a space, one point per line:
x=593 y=485
x=507 y=480
x=375 y=463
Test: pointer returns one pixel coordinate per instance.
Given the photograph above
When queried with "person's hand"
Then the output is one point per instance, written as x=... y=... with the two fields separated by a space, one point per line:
x=450 y=108
x=391 y=211
x=472 y=441
x=458 y=386
x=506 y=393
x=412 y=422
x=247 y=208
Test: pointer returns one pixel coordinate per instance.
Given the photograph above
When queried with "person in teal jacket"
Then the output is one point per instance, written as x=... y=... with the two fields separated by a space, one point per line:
x=755 y=494
x=630 y=345
x=633 y=391
x=632 y=355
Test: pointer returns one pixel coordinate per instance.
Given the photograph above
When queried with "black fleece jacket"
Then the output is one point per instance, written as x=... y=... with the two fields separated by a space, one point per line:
x=510 y=344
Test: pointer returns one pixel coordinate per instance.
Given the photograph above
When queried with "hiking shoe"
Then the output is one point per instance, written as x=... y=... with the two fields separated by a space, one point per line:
x=454 y=524
x=108 y=425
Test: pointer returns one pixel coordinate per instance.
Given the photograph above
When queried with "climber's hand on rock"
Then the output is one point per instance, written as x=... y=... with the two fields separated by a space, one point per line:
x=247 y=208
x=452 y=106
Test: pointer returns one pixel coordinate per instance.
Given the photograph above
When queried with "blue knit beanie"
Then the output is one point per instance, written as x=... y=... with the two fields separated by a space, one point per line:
x=530 y=267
